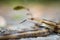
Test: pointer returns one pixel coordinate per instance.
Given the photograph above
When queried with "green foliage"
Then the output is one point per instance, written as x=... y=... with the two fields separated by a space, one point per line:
x=18 y=7
x=29 y=1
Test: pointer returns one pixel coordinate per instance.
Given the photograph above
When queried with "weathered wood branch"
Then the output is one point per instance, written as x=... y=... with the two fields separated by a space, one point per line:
x=26 y=34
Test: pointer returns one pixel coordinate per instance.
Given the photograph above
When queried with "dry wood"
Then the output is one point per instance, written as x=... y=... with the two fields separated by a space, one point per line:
x=26 y=34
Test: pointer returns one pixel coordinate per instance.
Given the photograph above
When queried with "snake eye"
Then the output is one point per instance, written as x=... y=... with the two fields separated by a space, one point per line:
x=18 y=7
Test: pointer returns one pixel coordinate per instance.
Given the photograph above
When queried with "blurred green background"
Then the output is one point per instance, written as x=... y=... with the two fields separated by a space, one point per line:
x=27 y=2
